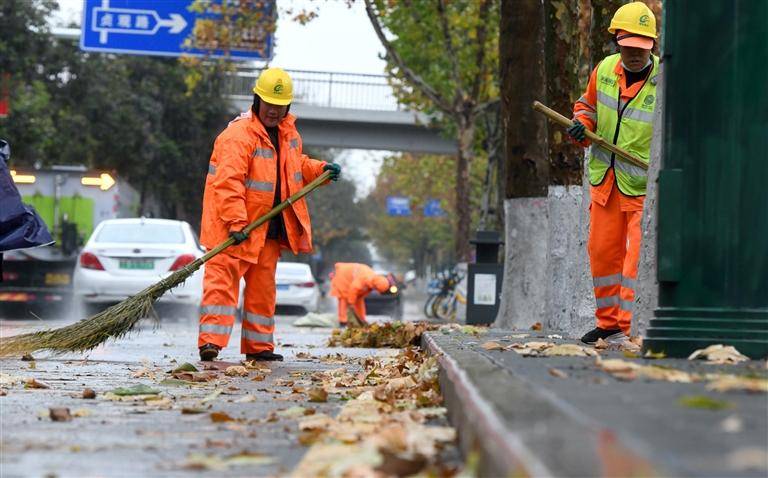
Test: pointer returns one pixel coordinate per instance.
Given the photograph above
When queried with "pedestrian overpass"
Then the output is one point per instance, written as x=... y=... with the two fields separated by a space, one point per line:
x=349 y=111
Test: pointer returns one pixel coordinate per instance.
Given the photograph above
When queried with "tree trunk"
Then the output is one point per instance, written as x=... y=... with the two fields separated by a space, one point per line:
x=523 y=80
x=463 y=210
x=562 y=66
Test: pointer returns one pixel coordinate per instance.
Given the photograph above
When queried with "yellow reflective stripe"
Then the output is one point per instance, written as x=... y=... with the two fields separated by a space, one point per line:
x=218 y=310
x=629 y=283
x=588 y=114
x=257 y=337
x=257 y=319
x=609 y=301
x=603 y=281
x=216 y=329
x=259 y=185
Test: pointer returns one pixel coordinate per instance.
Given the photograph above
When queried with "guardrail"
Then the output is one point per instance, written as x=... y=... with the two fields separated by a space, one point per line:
x=322 y=88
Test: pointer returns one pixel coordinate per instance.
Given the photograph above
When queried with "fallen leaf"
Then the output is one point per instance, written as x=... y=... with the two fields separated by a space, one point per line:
x=749 y=459
x=175 y=382
x=192 y=411
x=27 y=358
x=293 y=412
x=726 y=383
x=491 y=345
x=195 y=377
x=555 y=372
x=568 y=350
x=317 y=394
x=185 y=367
x=33 y=383
x=536 y=326
x=32 y=365
x=6 y=379
x=518 y=336
x=197 y=461
x=81 y=412
x=3 y=393
x=211 y=396
x=60 y=414
x=236 y=371
x=704 y=402
x=319 y=421
x=601 y=344
x=140 y=389
x=220 y=417
x=719 y=354
x=650 y=354
x=89 y=393
x=246 y=399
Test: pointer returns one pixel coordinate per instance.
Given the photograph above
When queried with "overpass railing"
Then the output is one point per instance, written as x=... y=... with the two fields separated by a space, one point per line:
x=322 y=88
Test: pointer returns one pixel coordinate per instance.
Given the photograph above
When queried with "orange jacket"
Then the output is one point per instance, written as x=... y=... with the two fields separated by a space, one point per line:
x=240 y=186
x=585 y=110
x=352 y=281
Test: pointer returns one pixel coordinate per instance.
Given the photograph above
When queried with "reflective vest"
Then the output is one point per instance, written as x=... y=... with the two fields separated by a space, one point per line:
x=628 y=125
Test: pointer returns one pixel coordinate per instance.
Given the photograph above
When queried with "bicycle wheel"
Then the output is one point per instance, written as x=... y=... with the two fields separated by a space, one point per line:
x=429 y=311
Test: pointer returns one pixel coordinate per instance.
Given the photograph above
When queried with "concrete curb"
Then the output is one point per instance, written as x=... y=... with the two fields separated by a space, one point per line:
x=481 y=428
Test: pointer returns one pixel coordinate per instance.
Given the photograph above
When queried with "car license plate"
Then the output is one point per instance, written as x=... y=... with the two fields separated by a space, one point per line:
x=283 y=286
x=56 y=279
x=137 y=264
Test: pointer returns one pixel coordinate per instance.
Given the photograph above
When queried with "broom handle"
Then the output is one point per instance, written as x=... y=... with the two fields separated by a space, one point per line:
x=623 y=154
x=258 y=222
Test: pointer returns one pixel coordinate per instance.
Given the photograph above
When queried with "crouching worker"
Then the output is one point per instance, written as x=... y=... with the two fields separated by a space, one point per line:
x=351 y=283
x=257 y=163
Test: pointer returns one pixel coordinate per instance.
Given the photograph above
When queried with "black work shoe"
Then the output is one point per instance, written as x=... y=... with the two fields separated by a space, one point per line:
x=265 y=356
x=208 y=352
x=593 y=335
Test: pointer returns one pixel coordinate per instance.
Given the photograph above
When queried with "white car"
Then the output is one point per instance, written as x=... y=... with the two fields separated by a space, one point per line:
x=296 y=286
x=124 y=256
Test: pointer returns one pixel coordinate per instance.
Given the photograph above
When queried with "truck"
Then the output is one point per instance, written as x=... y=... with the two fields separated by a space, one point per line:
x=72 y=200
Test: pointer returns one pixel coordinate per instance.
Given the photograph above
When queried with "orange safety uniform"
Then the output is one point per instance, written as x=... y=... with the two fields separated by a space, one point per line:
x=351 y=283
x=614 y=230
x=240 y=188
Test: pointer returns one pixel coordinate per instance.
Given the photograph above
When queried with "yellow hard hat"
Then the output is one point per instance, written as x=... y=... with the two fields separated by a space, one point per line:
x=635 y=18
x=274 y=86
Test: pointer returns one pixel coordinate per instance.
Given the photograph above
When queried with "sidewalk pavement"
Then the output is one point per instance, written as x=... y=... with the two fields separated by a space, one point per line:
x=568 y=416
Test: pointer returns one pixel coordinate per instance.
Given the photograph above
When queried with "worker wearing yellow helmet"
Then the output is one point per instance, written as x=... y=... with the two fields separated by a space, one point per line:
x=257 y=163
x=618 y=105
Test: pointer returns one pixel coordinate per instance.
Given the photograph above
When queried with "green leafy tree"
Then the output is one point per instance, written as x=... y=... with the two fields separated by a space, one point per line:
x=442 y=58
x=417 y=239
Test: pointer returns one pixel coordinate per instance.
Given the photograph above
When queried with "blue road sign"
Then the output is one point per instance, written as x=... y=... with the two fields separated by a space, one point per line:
x=432 y=209
x=152 y=27
x=398 y=206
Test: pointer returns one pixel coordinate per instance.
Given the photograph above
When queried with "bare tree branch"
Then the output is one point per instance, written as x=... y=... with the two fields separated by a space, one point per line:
x=482 y=33
x=412 y=77
x=450 y=49
x=481 y=107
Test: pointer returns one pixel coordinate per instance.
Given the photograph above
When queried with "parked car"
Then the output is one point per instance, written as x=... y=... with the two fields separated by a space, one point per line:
x=389 y=303
x=124 y=256
x=296 y=287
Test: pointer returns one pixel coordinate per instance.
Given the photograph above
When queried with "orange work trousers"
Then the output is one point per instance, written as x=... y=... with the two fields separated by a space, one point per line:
x=221 y=288
x=614 y=252
x=358 y=307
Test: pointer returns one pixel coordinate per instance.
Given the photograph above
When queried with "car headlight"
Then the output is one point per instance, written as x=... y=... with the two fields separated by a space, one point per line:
x=393 y=289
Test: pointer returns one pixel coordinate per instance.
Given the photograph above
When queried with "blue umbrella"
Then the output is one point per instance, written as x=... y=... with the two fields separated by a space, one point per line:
x=20 y=226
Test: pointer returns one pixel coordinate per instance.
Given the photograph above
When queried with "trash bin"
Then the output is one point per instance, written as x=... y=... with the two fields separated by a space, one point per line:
x=484 y=279
x=712 y=219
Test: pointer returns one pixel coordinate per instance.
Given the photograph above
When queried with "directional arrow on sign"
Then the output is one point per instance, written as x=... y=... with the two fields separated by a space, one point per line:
x=176 y=22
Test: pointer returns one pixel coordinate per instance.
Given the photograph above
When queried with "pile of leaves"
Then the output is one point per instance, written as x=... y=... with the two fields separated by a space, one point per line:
x=384 y=429
x=388 y=335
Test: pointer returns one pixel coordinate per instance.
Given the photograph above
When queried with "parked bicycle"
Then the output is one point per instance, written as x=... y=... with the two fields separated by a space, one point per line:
x=444 y=295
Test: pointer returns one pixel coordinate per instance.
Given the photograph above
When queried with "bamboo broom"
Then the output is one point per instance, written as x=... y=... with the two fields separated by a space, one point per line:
x=120 y=319
x=622 y=154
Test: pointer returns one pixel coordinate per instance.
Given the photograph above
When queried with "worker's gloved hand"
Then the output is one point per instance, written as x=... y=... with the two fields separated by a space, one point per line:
x=577 y=131
x=335 y=170
x=238 y=236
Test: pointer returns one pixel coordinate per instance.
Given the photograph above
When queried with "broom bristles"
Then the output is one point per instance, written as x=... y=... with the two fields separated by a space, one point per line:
x=93 y=331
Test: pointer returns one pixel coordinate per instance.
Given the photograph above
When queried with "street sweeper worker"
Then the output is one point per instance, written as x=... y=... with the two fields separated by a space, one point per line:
x=618 y=105
x=351 y=283
x=257 y=162
x=20 y=225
